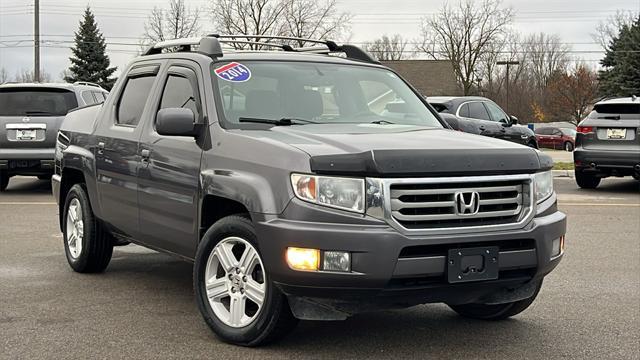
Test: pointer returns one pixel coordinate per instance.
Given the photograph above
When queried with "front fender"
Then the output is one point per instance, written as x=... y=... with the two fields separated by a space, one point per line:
x=255 y=192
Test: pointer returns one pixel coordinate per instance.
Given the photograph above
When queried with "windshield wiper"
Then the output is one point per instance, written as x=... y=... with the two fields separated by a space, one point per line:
x=381 y=122
x=614 y=117
x=277 y=122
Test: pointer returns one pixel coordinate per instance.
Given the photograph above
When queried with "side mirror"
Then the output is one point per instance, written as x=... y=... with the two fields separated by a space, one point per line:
x=176 y=122
x=514 y=120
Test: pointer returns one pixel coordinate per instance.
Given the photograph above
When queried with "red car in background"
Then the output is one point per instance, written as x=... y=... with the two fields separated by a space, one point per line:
x=556 y=138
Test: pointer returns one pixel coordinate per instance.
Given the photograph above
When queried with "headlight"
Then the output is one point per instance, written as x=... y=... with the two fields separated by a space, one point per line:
x=543 y=183
x=337 y=192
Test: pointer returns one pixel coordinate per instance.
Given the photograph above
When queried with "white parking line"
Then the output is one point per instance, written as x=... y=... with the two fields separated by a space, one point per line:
x=597 y=204
x=27 y=203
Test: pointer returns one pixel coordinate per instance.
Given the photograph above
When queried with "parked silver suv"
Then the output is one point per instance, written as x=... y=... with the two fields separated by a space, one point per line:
x=30 y=116
x=608 y=142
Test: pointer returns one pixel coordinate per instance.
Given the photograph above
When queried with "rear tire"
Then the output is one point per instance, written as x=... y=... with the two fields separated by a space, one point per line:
x=4 y=181
x=495 y=312
x=568 y=146
x=586 y=181
x=222 y=291
x=87 y=245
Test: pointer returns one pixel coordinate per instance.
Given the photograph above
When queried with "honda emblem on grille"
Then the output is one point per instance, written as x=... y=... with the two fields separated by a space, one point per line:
x=26 y=119
x=467 y=202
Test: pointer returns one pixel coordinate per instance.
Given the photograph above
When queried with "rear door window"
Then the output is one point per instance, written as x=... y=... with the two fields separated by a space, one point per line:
x=133 y=99
x=36 y=101
x=464 y=111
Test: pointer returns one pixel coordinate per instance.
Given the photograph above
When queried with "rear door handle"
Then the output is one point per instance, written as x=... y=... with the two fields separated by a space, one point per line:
x=100 y=148
x=481 y=127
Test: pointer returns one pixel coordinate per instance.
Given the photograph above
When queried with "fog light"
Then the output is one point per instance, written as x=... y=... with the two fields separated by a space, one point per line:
x=557 y=247
x=303 y=259
x=337 y=261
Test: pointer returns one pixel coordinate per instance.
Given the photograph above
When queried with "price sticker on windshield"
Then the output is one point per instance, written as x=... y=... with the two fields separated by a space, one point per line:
x=234 y=72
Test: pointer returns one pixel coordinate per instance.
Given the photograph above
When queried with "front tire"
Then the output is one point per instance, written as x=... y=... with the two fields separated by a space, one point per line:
x=234 y=292
x=87 y=245
x=495 y=312
x=586 y=181
x=532 y=144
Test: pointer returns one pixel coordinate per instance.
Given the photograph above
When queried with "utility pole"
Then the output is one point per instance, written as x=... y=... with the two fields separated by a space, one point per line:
x=507 y=63
x=36 y=41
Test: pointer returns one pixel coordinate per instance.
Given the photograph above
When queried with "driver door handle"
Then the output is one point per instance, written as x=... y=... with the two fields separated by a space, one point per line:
x=481 y=127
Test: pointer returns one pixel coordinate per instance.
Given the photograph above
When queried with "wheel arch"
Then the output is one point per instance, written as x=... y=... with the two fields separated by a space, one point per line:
x=214 y=208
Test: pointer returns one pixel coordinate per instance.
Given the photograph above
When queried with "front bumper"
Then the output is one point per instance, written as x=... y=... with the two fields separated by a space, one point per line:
x=384 y=274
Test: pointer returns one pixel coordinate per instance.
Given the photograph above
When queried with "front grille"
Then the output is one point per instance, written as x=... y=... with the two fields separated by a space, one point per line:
x=436 y=205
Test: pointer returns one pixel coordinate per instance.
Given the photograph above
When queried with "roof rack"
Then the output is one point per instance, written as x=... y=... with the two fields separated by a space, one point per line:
x=87 y=84
x=210 y=45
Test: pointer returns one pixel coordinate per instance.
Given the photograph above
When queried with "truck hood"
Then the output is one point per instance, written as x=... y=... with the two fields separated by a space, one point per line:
x=388 y=150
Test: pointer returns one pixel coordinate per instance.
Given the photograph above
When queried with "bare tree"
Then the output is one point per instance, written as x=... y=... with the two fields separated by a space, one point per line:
x=545 y=54
x=28 y=76
x=295 y=18
x=388 y=48
x=312 y=19
x=463 y=33
x=606 y=30
x=4 y=75
x=248 y=17
x=178 y=21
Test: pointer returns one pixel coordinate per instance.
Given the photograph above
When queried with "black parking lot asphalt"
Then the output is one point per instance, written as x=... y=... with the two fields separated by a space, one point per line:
x=142 y=307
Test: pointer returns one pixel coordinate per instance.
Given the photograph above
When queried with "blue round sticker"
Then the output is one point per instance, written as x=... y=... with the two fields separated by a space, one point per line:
x=234 y=72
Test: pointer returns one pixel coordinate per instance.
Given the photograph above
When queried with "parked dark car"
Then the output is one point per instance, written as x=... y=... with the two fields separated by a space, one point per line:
x=556 y=138
x=608 y=142
x=298 y=193
x=30 y=115
x=479 y=115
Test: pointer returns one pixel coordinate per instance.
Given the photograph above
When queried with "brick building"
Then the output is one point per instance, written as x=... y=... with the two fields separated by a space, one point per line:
x=430 y=77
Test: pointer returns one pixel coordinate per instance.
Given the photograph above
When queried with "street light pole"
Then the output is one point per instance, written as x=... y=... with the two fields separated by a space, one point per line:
x=36 y=41
x=508 y=63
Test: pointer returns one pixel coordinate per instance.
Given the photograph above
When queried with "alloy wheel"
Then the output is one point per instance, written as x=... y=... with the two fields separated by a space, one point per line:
x=75 y=228
x=235 y=282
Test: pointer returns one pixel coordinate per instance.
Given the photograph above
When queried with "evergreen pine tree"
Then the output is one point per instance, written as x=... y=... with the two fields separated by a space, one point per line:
x=621 y=76
x=89 y=61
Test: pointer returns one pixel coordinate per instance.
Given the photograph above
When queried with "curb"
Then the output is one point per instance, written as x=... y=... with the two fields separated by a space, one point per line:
x=563 y=173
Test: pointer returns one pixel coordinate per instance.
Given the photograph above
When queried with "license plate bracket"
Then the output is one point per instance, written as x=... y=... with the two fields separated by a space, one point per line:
x=616 y=134
x=473 y=264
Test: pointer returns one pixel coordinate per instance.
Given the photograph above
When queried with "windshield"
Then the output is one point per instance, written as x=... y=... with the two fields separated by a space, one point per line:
x=317 y=93
x=617 y=111
x=569 y=132
x=36 y=102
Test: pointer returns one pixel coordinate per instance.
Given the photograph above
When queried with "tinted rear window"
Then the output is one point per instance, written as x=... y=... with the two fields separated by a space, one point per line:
x=36 y=102
x=621 y=109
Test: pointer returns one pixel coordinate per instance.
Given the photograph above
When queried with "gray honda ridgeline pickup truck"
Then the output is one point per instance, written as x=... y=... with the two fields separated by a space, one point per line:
x=302 y=185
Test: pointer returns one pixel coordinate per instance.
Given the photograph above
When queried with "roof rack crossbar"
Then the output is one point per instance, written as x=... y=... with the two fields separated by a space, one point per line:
x=211 y=45
x=87 y=84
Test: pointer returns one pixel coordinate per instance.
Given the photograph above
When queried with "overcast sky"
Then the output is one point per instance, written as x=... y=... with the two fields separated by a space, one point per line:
x=122 y=23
